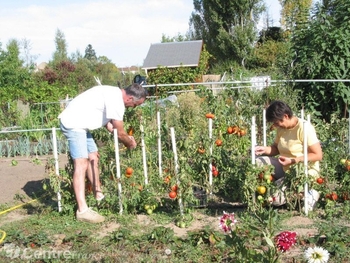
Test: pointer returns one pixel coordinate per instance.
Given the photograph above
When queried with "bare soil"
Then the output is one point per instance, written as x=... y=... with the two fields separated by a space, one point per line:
x=21 y=177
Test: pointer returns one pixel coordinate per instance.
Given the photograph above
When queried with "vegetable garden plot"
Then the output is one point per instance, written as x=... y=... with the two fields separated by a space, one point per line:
x=213 y=153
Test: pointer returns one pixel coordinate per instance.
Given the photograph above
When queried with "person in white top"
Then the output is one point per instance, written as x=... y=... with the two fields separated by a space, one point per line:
x=99 y=106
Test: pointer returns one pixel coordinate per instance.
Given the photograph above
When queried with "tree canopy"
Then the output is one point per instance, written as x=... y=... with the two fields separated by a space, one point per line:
x=228 y=28
x=323 y=52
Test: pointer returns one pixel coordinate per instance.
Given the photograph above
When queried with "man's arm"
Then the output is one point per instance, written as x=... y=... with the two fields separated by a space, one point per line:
x=123 y=136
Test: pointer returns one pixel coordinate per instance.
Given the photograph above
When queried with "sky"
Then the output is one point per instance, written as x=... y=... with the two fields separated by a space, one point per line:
x=121 y=30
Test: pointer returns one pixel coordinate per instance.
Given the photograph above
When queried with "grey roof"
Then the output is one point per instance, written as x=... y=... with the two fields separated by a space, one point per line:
x=173 y=54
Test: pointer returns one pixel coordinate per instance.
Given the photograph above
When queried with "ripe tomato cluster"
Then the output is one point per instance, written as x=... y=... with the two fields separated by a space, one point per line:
x=332 y=196
x=214 y=170
x=173 y=192
x=236 y=130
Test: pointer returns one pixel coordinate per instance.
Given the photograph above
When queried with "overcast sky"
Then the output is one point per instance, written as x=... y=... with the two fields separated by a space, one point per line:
x=121 y=30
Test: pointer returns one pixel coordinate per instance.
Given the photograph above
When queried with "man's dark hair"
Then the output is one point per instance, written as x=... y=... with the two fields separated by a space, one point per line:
x=137 y=91
x=276 y=110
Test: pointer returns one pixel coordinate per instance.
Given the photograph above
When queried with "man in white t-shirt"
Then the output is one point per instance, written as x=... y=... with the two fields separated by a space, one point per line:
x=100 y=106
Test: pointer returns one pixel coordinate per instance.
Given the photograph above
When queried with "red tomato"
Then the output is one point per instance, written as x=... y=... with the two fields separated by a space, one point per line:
x=129 y=172
x=201 y=150
x=242 y=132
x=229 y=130
x=174 y=188
x=320 y=180
x=334 y=196
x=218 y=142
x=215 y=173
x=167 y=179
x=210 y=115
x=172 y=194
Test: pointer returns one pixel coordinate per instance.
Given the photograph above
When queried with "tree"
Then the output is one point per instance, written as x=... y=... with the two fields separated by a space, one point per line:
x=293 y=12
x=14 y=78
x=61 y=47
x=323 y=52
x=178 y=38
x=90 y=53
x=28 y=58
x=227 y=27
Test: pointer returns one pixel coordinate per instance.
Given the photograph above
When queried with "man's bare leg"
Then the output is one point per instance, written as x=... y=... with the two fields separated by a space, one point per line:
x=80 y=167
x=93 y=175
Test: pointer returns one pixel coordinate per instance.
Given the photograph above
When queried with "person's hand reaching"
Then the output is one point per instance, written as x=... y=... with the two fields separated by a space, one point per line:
x=133 y=143
x=260 y=150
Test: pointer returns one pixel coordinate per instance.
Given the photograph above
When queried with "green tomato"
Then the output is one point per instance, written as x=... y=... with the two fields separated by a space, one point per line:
x=147 y=207
x=182 y=225
x=260 y=198
x=149 y=211
x=267 y=176
x=268 y=181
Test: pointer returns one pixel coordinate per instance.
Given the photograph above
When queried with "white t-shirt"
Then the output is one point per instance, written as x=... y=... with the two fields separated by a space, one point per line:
x=94 y=108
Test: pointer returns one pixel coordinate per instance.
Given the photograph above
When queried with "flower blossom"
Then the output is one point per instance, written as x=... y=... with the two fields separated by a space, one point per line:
x=316 y=255
x=227 y=221
x=285 y=240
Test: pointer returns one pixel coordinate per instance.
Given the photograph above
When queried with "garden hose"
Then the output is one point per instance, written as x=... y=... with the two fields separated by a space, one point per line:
x=13 y=208
x=3 y=235
x=17 y=206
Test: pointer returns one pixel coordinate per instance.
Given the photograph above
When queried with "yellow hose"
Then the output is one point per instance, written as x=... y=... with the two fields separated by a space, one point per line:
x=17 y=206
x=10 y=209
x=3 y=235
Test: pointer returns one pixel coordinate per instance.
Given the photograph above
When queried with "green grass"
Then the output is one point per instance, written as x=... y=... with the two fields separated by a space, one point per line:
x=126 y=238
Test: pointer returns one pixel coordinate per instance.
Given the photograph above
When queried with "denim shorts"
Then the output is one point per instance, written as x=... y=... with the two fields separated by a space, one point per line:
x=80 y=142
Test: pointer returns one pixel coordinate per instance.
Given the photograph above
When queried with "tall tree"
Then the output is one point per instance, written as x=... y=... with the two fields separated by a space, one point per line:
x=90 y=53
x=323 y=52
x=293 y=11
x=14 y=78
x=60 y=53
x=227 y=27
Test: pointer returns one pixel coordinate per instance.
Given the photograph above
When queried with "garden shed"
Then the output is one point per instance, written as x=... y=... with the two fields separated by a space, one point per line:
x=173 y=55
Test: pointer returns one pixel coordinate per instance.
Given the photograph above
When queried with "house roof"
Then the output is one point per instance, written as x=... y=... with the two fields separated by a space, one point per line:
x=173 y=54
